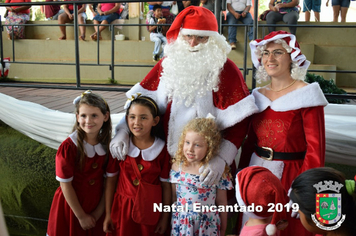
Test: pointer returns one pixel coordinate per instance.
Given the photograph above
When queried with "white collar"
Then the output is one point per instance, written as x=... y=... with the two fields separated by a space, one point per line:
x=148 y=154
x=90 y=150
x=307 y=96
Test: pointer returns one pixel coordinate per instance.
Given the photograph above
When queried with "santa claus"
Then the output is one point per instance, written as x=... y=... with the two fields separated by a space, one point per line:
x=196 y=78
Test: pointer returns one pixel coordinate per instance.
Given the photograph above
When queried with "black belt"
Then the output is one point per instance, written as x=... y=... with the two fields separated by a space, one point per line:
x=269 y=155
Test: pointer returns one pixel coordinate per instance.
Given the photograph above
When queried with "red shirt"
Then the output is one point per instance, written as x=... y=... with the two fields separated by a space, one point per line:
x=27 y=11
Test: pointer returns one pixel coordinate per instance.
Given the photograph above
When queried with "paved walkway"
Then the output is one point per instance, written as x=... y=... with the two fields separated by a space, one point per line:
x=62 y=99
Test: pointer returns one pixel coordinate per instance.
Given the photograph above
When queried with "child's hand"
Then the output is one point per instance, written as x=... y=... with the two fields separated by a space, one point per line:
x=162 y=225
x=108 y=224
x=87 y=222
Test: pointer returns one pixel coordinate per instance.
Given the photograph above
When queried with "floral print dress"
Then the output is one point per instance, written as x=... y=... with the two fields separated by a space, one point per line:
x=189 y=217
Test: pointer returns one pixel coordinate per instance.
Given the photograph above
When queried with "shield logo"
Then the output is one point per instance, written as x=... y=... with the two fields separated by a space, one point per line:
x=328 y=207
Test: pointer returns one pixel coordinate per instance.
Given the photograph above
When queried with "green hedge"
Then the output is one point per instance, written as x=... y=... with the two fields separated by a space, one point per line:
x=27 y=173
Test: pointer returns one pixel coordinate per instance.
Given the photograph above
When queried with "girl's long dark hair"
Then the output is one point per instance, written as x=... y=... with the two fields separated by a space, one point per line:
x=303 y=192
x=156 y=131
x=104 y=137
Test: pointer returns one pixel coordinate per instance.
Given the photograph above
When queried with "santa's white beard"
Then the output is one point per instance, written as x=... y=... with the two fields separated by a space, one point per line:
x=189 y=73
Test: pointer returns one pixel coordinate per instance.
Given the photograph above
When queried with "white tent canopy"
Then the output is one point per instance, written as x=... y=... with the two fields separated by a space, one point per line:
x=51 y=127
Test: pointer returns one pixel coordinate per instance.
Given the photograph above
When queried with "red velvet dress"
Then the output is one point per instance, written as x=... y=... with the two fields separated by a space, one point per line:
x=156 y=167
x=291 y=123
x=88 y=185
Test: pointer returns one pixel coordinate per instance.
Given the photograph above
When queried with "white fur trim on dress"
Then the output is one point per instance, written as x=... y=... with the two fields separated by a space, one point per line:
x=307 y=96
x=236 y=112
x=276 y=167
x=241 y=202
x=159 y=95
x=228 y=151
x=198 y=32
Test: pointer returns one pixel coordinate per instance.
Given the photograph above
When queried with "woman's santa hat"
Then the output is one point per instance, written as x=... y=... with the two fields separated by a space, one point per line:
x=259 y=186
x=194 y=21
x=290 y=39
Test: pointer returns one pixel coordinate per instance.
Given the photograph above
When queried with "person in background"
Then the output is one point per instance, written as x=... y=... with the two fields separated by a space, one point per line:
x=107 y=13
x=308 y=6
x=287 y=135
x=157 y=33
x=283 y=10
x=67 y=17
x=93 y=9
x=51 y=11
x=82 y=160
x=16 y=15
x=304 y=193
x=238 y=11
x=208 y=4
x=340 y=8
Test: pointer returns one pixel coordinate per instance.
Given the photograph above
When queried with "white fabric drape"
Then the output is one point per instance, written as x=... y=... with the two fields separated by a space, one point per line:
x=51 y=127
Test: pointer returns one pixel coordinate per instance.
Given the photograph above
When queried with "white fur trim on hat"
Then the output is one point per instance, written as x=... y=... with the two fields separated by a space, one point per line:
x=271 y=229
x=241 y=202
x=198 y=32
x=295 y=56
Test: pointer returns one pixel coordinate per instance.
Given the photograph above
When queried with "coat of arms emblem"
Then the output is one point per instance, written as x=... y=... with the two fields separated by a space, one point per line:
x=328 y=205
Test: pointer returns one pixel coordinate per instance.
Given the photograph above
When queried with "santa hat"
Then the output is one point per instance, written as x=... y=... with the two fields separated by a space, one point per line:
x=195 y=21
x=290 y=39
x=259 y=186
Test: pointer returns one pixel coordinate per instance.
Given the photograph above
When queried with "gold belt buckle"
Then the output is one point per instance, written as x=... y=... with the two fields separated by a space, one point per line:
x=270 y=150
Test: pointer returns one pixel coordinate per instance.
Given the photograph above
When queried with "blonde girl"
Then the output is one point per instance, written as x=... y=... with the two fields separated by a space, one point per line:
x=198 y=144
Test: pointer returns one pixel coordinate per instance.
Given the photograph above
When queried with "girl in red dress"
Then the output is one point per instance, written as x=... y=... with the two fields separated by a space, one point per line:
x=81 y=162
x=287 y=135
x=148 y=155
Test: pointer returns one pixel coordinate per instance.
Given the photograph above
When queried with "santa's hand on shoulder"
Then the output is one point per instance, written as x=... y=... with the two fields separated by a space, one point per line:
x=210 y=174
x=119 y=145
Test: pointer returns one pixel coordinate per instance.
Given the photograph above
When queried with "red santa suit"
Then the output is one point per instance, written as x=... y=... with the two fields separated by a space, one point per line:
x=231 y=105
x=293 y=123
x=88 y=184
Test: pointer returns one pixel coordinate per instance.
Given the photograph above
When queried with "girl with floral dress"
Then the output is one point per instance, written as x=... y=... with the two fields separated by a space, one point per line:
x=147 y=155
x=198 y=144
x=81 y=162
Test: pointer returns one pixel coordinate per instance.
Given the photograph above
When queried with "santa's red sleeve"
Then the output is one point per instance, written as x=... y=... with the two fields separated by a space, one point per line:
x=235 y=106
x=150 y=86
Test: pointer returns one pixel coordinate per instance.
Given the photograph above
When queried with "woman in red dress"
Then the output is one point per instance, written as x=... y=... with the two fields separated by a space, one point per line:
x=287 y=136
x=81 y=162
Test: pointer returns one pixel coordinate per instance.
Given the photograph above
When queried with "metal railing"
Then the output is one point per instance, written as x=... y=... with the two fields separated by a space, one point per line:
x=112 y=64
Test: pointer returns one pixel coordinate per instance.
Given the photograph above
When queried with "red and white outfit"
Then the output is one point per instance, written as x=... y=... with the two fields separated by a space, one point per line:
x=291 y=123
x=88 y=184
x=230 y=105
x=156 y=166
